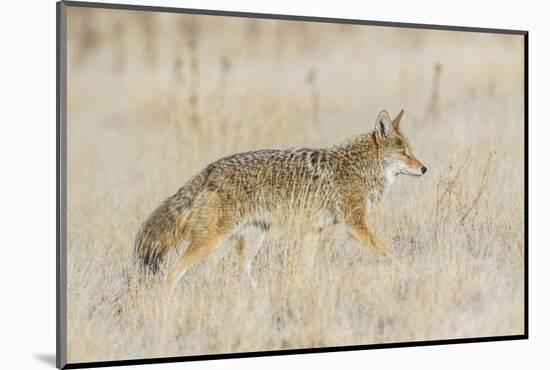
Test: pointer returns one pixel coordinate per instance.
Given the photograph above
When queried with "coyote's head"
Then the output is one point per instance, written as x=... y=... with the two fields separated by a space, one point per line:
x=395 y=151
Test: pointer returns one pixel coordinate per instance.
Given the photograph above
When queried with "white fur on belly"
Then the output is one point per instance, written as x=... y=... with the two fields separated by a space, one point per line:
x=324 y=219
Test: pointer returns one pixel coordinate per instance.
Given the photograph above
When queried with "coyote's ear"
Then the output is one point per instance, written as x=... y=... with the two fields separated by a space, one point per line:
x=383 y=124
x=397 y=120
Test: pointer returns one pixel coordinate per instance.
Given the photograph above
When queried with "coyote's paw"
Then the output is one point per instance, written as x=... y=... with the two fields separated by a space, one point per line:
x=388 y=255
x=384 y=252
x=253 y=283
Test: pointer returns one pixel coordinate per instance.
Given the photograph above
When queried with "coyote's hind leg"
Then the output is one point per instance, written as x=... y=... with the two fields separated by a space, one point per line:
x=206 y=230
x=195 y=253
x=250 y=241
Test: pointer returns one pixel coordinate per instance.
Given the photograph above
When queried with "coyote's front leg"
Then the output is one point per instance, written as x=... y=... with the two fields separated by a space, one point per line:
x=364 y=235
x=358 y=227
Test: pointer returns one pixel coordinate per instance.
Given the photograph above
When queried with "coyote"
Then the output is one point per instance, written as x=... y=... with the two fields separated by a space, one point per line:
x=253 y=190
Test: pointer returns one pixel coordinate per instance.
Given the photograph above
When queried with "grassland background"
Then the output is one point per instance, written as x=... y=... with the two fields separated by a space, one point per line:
x=153 y=98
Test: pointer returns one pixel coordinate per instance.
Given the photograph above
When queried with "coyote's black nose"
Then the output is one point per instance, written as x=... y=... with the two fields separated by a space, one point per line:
x=423 y=169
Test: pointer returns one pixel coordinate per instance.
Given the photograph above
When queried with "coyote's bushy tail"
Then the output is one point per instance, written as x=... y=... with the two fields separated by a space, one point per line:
x=165 y=228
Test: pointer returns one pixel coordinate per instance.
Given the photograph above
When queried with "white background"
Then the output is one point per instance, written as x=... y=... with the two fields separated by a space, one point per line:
x=27 y=173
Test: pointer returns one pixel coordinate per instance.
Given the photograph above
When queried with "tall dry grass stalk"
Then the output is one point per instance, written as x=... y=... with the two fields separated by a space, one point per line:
x=216 y=86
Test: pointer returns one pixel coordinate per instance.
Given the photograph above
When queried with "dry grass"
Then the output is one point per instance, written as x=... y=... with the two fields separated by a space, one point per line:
x=153 y=98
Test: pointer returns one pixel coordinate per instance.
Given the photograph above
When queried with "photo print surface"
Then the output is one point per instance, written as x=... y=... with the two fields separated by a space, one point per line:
x=240 y=184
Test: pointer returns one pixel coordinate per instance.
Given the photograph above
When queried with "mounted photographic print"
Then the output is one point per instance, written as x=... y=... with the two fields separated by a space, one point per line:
x=236 y=184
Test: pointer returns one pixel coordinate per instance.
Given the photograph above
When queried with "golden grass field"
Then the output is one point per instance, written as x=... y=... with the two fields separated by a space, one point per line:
x=153 y=98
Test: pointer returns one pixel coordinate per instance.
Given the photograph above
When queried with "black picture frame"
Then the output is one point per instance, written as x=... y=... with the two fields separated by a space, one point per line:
x=61 y=188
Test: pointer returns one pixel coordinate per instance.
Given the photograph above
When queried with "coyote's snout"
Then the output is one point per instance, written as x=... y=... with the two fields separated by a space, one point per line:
x=252 y=190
